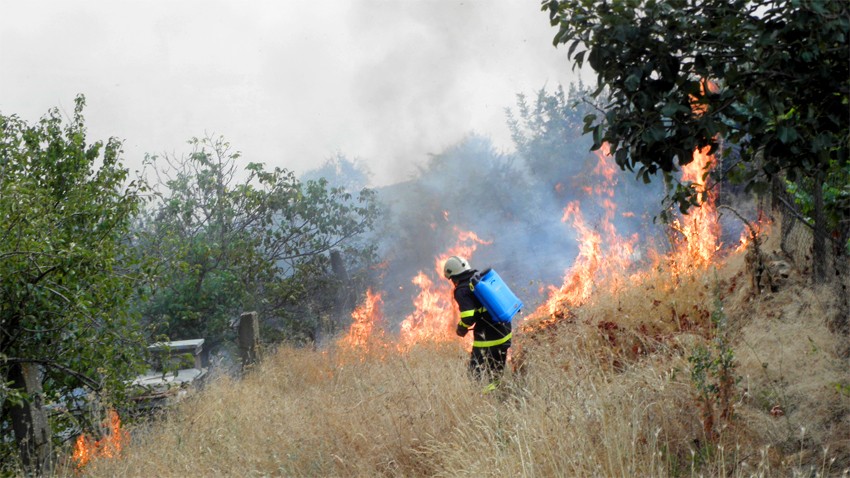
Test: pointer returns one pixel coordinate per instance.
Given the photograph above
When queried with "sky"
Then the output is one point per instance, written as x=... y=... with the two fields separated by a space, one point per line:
x=289 y=83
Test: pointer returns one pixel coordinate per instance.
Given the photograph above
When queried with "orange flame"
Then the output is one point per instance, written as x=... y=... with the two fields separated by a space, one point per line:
x=761 y=227
x=433 y=318
x=367 y=316
x=743 y=242
x=602 y=251
x=605 y=258
x=435 y=315
x=699 y=228
x=110 y=446
x=699 y=231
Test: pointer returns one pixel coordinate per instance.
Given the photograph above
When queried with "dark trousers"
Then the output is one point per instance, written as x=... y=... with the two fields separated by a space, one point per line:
x=488 y=363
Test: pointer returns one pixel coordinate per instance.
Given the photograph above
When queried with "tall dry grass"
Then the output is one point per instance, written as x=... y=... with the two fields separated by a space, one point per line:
x=608 y=393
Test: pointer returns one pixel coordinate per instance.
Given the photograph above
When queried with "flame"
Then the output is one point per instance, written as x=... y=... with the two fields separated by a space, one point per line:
x=435 y=316
x=602 y=251
x=110 y=446
x=367 y=317
x=606 y=168
x=699 y=229
x=605 y=257
x=761 y=227
x=743 y=242
x=704 y=85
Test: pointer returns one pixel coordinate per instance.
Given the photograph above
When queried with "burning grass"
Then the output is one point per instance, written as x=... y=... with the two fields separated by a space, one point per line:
x=608 y=390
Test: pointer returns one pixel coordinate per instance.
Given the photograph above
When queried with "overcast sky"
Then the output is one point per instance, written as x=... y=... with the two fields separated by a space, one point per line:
x=289 y=83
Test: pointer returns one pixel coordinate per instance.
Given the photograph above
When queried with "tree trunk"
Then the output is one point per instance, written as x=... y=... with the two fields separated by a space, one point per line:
x=29 y=420
x=819 y=236
x=841 y=264
x=780 y=202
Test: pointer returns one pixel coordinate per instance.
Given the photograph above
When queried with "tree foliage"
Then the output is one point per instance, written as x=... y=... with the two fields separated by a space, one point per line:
x=233 y=241
x=65 y=212
x=547 y=132
x=770 y=77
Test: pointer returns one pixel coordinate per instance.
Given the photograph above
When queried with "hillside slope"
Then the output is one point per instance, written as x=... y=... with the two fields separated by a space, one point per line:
x=666 y=374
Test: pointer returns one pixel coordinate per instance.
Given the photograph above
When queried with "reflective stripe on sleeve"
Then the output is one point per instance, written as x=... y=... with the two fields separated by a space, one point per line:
x=465 y=326
x=467 y=313
x=491 y=343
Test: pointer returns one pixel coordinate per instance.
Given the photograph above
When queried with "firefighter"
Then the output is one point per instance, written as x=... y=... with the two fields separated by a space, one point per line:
x=491 y=340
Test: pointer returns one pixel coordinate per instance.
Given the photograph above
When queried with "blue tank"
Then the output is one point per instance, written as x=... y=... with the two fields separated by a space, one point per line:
x=496 y=296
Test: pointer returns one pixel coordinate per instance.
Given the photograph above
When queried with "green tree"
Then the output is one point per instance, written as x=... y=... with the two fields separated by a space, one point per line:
x=341 y=172
x=229 y=243
x=549 y=136
x=770 y=78
x=548 y=133
x=65 y=210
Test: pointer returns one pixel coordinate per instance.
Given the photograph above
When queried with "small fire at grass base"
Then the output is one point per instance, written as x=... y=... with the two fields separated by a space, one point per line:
x=110 y=445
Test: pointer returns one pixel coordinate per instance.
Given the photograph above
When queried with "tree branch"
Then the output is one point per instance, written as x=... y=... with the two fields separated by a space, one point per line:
x=52 y=364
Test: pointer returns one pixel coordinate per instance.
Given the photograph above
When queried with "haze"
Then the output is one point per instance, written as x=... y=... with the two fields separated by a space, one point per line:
x=290 y=83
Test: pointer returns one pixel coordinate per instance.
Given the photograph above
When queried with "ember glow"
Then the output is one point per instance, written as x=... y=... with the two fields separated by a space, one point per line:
x=114 y=440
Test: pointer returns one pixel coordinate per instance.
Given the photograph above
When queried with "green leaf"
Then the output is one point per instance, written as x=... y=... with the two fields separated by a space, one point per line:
x=632 y=82
x=786 y=134
x=671 y=108
x=654 y=134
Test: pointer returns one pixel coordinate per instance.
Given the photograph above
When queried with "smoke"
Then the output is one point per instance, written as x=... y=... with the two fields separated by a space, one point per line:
x=470 y=187
x=517 y=204
x=288 y=82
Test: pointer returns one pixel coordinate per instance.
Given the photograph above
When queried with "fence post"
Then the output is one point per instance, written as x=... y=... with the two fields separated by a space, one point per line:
x=248 y=339
x=344 y=298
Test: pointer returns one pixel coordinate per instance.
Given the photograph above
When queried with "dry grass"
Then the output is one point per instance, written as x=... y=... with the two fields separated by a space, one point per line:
x=608 y=393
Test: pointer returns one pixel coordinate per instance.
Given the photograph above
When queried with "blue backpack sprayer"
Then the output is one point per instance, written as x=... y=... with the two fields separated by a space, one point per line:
x=495 y=295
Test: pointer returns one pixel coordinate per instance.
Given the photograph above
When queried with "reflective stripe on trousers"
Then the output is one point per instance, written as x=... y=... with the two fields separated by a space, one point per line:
x=492 y=343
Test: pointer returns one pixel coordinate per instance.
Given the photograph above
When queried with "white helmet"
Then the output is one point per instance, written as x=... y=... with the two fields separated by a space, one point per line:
x=455 y=265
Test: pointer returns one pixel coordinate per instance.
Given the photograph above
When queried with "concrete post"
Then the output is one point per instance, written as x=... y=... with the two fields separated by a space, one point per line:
x=344 y=297
x=248 y=339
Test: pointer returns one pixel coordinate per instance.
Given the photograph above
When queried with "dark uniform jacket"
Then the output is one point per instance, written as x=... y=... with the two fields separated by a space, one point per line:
x=487 y=333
